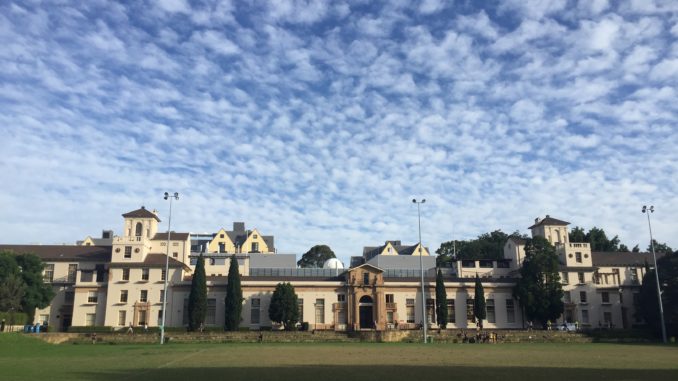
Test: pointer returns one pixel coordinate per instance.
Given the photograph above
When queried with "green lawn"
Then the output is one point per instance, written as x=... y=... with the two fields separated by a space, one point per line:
x=26 y=358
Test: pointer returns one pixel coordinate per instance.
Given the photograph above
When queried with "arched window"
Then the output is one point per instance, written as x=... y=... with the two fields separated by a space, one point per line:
x=139 y=229
x=366 y=299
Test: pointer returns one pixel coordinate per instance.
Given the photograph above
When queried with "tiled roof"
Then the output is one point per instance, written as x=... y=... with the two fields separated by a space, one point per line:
x=152 y=260
x=141 y=213
x=174 y=236
x=604 y=258
x=66 y=253
x=370 y=251
x=550 y=221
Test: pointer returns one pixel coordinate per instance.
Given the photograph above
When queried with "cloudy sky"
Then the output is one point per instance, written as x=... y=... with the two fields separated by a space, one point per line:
x=319 y=121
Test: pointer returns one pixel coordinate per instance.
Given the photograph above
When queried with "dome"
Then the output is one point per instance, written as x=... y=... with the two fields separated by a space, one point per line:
x=333 y=263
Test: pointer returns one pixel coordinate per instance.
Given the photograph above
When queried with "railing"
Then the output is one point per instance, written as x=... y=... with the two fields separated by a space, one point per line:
x=63 y=280
x=118 y=239
x=391 y=306
x=579 y=245
x=303 y=272
x=338 y=306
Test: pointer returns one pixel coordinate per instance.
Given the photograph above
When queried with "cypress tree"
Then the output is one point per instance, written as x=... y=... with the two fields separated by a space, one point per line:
x=197 y=299
x=441 y=301
x=234 y=297
x=284 y=306
x=479 y=302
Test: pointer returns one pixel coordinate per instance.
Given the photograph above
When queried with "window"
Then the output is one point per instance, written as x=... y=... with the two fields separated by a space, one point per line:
x=430 y=310
x=92 y=297
x=409 y=304
x=607 y=318
x=389 y=298
x=143 y=296
x=582 y=297
x=510 y=311
x=162 y=296
x=175 y=243
x=175 y=254
x=450 y=311
x=69 y=296
x=72 y=272
x=90 y=320
x=86 y=276
x=606 y=297
x=366 y=278
x=255 y=247
x=341 y=298
x=221 y=236
x=144 y=273
x=585 y=316
x=389 y=317
x=222 y=247
x=503 y=265
x=163 y=274
x=143 y=317
x=48 y=275
x=254 y=312
x=123 y=296
x=468 y=263
x=564 y=279
x=300 y=304
x=581 y=278
x=128 y=251
x=211 y=315
x=320 y=311
x=138 y=229
x=101 y=273
x=125 y=274
x=489 y=305
x=44 y=319
x=485 y=264
x=567 y=298
x=577 y=257
x=159 y=317
x=122 y=318
x=469 y=310
x=634 y=275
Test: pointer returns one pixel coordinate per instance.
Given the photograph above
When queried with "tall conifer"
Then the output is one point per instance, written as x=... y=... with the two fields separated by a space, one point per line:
x=234 y=297
x=441 y=301
x=197 y=299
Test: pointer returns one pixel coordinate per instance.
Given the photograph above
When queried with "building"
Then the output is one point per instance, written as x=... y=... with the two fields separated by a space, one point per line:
x=120 y=281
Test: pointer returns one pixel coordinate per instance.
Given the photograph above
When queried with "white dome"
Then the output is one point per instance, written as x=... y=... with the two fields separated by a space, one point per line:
x=333 y=263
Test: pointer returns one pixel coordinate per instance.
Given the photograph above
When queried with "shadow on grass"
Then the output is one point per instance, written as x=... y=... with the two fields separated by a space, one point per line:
x=380 y=372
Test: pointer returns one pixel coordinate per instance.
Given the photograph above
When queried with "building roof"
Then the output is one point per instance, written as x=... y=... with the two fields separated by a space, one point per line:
x=614 y=258
x=151 y=260
x=174 y=236
x=97 y=241
x=548 y=220
x=141 y=213
x=517 y=240
x=63 y=253
x=370 y=251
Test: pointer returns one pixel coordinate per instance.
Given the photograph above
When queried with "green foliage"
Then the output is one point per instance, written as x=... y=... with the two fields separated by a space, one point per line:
x=635 y=249
x=598 y=240
x=441 y=301
x=659 y=248
x=21 y=283
x=479 y=310
x=234 y=297
x=14 y=318
x=197 y=299
x=92 y=329
x=486 y=246
x=316 y=256
x=648 y=303
x=284 y=306
x=538 y=289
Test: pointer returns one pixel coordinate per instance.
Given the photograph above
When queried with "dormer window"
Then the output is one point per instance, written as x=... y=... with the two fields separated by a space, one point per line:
x=366 y=278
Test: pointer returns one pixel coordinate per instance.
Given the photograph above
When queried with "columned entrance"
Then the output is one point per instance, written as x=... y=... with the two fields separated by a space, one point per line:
x=366 y=312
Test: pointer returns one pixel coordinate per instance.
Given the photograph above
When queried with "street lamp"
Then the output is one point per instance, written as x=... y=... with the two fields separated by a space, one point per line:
x=421 y=267
x=174 y=196
x=647 y=211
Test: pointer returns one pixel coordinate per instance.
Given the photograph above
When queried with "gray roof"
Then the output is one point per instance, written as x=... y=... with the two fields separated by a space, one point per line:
x=606 y=259
x=63 y=253
x=550 y=221
x=371 y=251
x=98 y=241
x=141 y=213
x=174 y=236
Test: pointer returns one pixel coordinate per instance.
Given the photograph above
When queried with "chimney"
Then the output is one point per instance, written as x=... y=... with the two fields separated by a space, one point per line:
x=107 y=234
x=547 y=216
x=536 y=220
x=239 y=227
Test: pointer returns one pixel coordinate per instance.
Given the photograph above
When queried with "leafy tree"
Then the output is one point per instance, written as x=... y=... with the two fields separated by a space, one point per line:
x=486 y=246
x=441 y=301
x=648 y=304
x=234 y=297
x=12 y=290
x=636 y=249
x=577 y=235
x=284 y=306
x=624 y=248
x=538 y=289
x=599 y=241
x=24 y=272
x=316 y=256
x=479 y=310
x=197 y=298
x=659 y=248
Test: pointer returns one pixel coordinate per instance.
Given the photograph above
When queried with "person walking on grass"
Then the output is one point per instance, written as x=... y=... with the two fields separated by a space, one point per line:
x=130 y=329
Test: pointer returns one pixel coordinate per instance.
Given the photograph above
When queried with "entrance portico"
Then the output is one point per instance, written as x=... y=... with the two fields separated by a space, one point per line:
x=366 y=303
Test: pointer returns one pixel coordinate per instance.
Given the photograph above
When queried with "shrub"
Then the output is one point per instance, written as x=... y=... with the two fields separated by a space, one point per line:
x=20 y=318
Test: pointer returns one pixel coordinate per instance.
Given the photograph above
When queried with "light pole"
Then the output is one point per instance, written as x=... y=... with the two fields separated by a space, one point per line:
x=421 y=267
x=647 y=211
x=174 y=196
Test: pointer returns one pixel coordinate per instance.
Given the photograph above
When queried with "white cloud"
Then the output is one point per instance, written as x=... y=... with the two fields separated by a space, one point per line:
x=174 y=5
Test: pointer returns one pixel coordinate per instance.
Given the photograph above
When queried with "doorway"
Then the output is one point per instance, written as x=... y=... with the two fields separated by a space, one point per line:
x=365 y=308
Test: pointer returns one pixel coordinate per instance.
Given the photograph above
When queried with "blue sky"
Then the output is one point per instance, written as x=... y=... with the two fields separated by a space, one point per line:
x=319 y=121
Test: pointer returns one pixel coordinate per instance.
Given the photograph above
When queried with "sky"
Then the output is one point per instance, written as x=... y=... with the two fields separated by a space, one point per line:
x=318 y=122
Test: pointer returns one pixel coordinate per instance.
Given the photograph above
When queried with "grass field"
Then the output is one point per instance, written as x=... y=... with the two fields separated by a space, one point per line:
x=27 y=358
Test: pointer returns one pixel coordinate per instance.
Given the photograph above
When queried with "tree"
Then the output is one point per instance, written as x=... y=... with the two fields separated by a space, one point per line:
x=648 y=304
x=23 y=273
x=486 y=246
x=623 y=248
x=284 y=306
x=316 y=256
x=479 y=310
x=12 y=290
x=635 y=249
x=441 y=301
x=234 y=297
x=659 y=248
x=538 y=289
x=577 y=235
x=197 y=298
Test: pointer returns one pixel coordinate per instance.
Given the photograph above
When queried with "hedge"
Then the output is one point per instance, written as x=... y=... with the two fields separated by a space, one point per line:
x=20 y=318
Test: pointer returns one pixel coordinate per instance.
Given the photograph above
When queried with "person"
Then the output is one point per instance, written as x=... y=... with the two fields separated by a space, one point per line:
x=94 y=338
x=130 y=329
x=261 y=337
x=145 y=328
x=548 y=325
x=529 y=325
x=576 y=325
